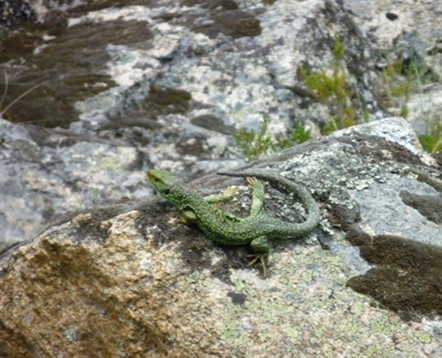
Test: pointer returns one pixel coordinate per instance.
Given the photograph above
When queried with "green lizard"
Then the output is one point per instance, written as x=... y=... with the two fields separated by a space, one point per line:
x=230 y=230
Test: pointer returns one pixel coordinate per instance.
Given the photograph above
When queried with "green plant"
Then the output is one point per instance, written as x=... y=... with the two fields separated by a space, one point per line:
x=91 y=198
x=364 y=113
x=400 y=79
x=256 y=143
x=297 y=135
x=332 y=89
x=396 y=87
x=338 y=48
x=432 y=140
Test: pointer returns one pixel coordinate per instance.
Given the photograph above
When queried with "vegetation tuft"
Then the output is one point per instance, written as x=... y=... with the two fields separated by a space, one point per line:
x=332 y=88
x=255 y=144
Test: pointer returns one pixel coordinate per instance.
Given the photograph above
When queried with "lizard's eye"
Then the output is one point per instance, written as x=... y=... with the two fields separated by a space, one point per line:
x=167 y=191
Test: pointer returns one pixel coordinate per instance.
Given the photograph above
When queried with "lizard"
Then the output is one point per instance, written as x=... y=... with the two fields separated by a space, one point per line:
x=230 y=230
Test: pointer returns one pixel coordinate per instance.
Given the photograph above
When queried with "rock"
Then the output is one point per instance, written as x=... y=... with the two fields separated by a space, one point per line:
x=106 y=90
x=220 y=59
x=15 y=11
x=45 y=173
x=408 y=35
x=402 y=28
x=123 y=88
x=143 y=73
x=128 y=283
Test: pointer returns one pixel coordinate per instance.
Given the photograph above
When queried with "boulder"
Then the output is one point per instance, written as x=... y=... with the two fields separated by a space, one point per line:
x=131 y=281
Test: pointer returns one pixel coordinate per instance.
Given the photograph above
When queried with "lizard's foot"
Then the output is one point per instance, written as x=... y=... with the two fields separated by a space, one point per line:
x=227 y=194
x=255 y=184
x=187 y=217
x=230 y=192
x=261 y=246
x=263 y=258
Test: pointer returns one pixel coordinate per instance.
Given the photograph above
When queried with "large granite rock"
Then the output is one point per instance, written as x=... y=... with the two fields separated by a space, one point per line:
x=121 y=283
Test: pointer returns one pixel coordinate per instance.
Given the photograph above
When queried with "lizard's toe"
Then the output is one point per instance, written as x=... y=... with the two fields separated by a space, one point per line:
x=231 y=191
x=263 y=258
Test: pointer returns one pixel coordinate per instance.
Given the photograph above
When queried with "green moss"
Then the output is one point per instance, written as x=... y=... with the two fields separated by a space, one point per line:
x=109 y=162
x=94 y=196
x=232 y=331
x=358 y=308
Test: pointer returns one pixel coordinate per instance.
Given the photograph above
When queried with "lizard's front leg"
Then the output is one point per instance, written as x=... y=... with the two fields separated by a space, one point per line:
x=188 y=216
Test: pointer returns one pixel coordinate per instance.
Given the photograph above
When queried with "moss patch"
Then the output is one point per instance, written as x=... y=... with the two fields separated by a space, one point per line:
x=407 y=276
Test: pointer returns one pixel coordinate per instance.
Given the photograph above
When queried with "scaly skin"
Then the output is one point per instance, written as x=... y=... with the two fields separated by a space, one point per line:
x=227 y=229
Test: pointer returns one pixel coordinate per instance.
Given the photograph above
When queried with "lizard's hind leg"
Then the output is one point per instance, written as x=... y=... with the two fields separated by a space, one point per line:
x=257 y=196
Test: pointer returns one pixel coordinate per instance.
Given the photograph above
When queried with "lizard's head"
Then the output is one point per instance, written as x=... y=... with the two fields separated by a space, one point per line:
x=163 y=182
x=160 y=179
x=173 y=189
